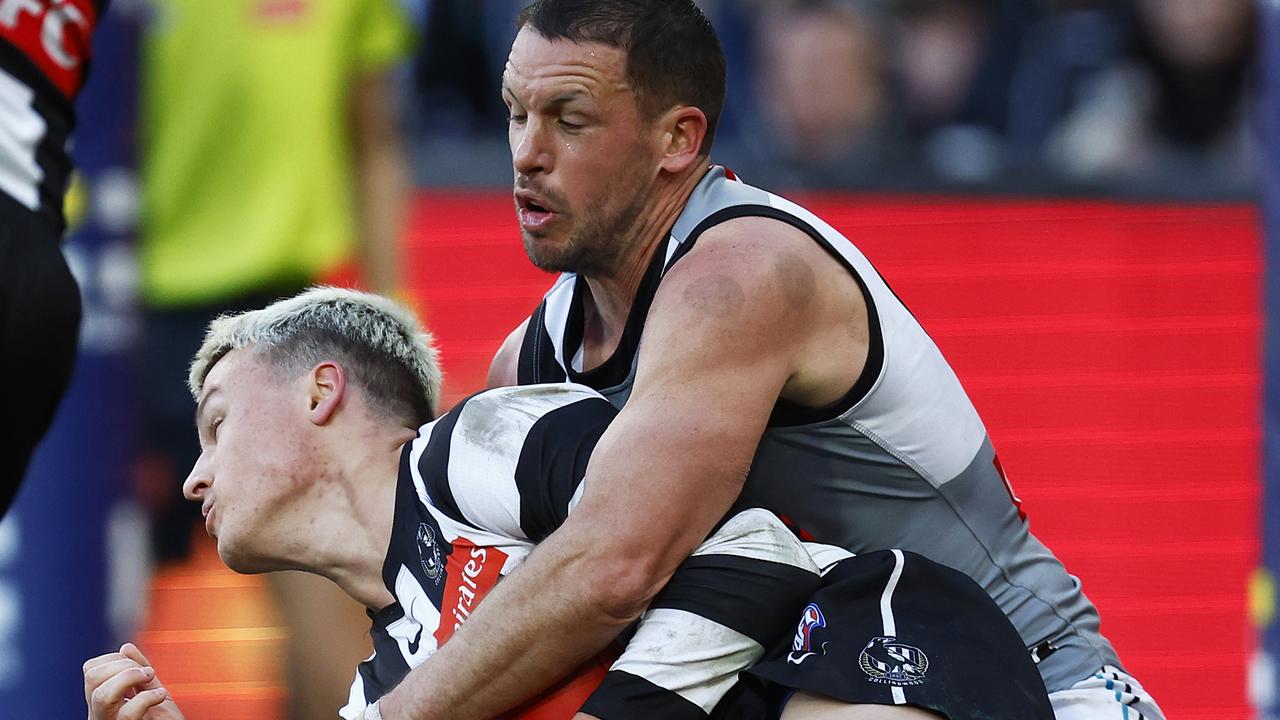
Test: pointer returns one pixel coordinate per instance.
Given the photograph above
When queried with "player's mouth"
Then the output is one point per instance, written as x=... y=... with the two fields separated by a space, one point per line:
x=533 y=212
x=208 y=519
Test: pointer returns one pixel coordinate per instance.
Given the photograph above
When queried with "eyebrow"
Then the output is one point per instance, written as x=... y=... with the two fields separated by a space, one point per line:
x=566 y=98
x=559 y=100
x=200 y=406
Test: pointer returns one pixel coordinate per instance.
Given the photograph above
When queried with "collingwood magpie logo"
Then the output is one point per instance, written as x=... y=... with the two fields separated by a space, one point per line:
x=889 y=662
x=429 y=552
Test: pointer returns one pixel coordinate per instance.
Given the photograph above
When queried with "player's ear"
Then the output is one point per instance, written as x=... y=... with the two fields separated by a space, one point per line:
x=327 y=387
x=683 y=130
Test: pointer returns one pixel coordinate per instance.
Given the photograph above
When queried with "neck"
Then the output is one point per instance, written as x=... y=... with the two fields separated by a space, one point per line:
x=613 y=293
x=355 y=509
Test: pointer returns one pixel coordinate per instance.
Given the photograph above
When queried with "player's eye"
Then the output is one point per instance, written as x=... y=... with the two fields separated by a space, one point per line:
x=213 y=427
x=517 y=118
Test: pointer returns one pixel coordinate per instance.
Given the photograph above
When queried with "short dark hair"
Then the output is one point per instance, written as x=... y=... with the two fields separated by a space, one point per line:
x=673 y=54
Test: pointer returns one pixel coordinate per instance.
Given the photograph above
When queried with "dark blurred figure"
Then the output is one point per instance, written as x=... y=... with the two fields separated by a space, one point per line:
x=458 y=70
x=954 y=63
x=44 y=62
x=1173 y=106
x=940 y=47
x=822 y=93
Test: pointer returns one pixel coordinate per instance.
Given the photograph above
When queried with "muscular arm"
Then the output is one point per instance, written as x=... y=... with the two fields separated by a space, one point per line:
x=665 y=472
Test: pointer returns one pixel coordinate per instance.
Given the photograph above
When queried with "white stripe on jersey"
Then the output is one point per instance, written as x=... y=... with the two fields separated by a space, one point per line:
x=759 y=535
x=21 y=129
x=421 y=618
x=689 y=655
x=558 y=316
x=419 y=446
x=452 y=529
x=486 y=446
x=482 y=467
x=886 y=614
x=577 y=497
x=826 y=556
x=356 y=701
x=673 y=244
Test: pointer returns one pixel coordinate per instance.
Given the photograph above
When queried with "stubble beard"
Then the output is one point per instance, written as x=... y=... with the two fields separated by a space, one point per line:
x=595 y=246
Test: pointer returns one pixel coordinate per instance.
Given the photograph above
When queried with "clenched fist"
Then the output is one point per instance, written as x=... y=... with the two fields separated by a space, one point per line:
x=124 y=686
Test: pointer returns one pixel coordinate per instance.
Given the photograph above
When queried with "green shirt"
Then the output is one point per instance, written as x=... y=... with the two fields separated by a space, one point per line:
x=246 y=136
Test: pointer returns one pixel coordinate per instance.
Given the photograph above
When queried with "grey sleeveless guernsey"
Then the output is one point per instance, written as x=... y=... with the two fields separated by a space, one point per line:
x=902 y=461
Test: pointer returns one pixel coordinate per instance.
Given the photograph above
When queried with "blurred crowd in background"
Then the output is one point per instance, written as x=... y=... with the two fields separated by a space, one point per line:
x=1131 y=97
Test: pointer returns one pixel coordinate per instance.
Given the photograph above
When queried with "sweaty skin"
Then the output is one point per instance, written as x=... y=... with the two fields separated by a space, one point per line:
x=755 y=312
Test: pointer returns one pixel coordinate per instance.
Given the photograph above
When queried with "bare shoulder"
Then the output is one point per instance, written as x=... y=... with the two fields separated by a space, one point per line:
x=504 y=369
x=768 y=268
x=759 y=290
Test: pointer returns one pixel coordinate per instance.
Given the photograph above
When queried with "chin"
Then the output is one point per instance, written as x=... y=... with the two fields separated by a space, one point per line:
x=551 y=254
x=541 y=251
x=238 y=558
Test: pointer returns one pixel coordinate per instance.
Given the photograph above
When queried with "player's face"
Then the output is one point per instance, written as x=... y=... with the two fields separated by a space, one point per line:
x=584 y=160
x=252 y=459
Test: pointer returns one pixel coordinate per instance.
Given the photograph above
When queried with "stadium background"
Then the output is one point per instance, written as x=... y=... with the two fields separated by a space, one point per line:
x=1109 y=328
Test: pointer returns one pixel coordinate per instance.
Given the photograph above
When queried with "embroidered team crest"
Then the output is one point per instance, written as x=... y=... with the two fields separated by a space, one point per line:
x=802 y=645
x=429 y=552
x=889 y=662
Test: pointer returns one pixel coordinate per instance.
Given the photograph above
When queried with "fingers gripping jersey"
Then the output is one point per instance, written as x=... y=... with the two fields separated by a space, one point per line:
x=479 y=487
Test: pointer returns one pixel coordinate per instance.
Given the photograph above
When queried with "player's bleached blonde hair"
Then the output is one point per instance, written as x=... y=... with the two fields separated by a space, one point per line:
x=381 y=344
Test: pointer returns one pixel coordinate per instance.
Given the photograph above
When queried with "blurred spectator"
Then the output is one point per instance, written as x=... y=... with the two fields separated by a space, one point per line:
x=271 y=157
x=1039 y=94
x=822 y=89
x=1175 y=102
x=465 y=52
x=940 y=46
x=458 y=72
x=954 y=62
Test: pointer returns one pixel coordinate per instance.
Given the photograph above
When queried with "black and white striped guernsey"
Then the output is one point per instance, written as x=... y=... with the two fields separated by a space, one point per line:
x=479 y=487
x=44 y=61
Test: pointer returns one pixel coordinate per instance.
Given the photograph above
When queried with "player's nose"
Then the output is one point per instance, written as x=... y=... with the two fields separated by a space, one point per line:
x=528 y=151
x=199 y=480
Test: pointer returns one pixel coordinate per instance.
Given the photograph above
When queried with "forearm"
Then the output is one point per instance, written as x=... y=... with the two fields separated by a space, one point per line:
x=537 y=626
x=382 y=184
x=383 y=189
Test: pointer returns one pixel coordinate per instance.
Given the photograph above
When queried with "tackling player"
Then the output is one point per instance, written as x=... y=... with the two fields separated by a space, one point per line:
x=757 y=357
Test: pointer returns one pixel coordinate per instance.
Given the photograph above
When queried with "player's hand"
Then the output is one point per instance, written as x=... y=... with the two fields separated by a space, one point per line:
x=124 y=686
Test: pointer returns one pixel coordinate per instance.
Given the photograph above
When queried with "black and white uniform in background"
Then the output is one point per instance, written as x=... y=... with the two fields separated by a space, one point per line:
x=44 y=60
x=481 y=486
